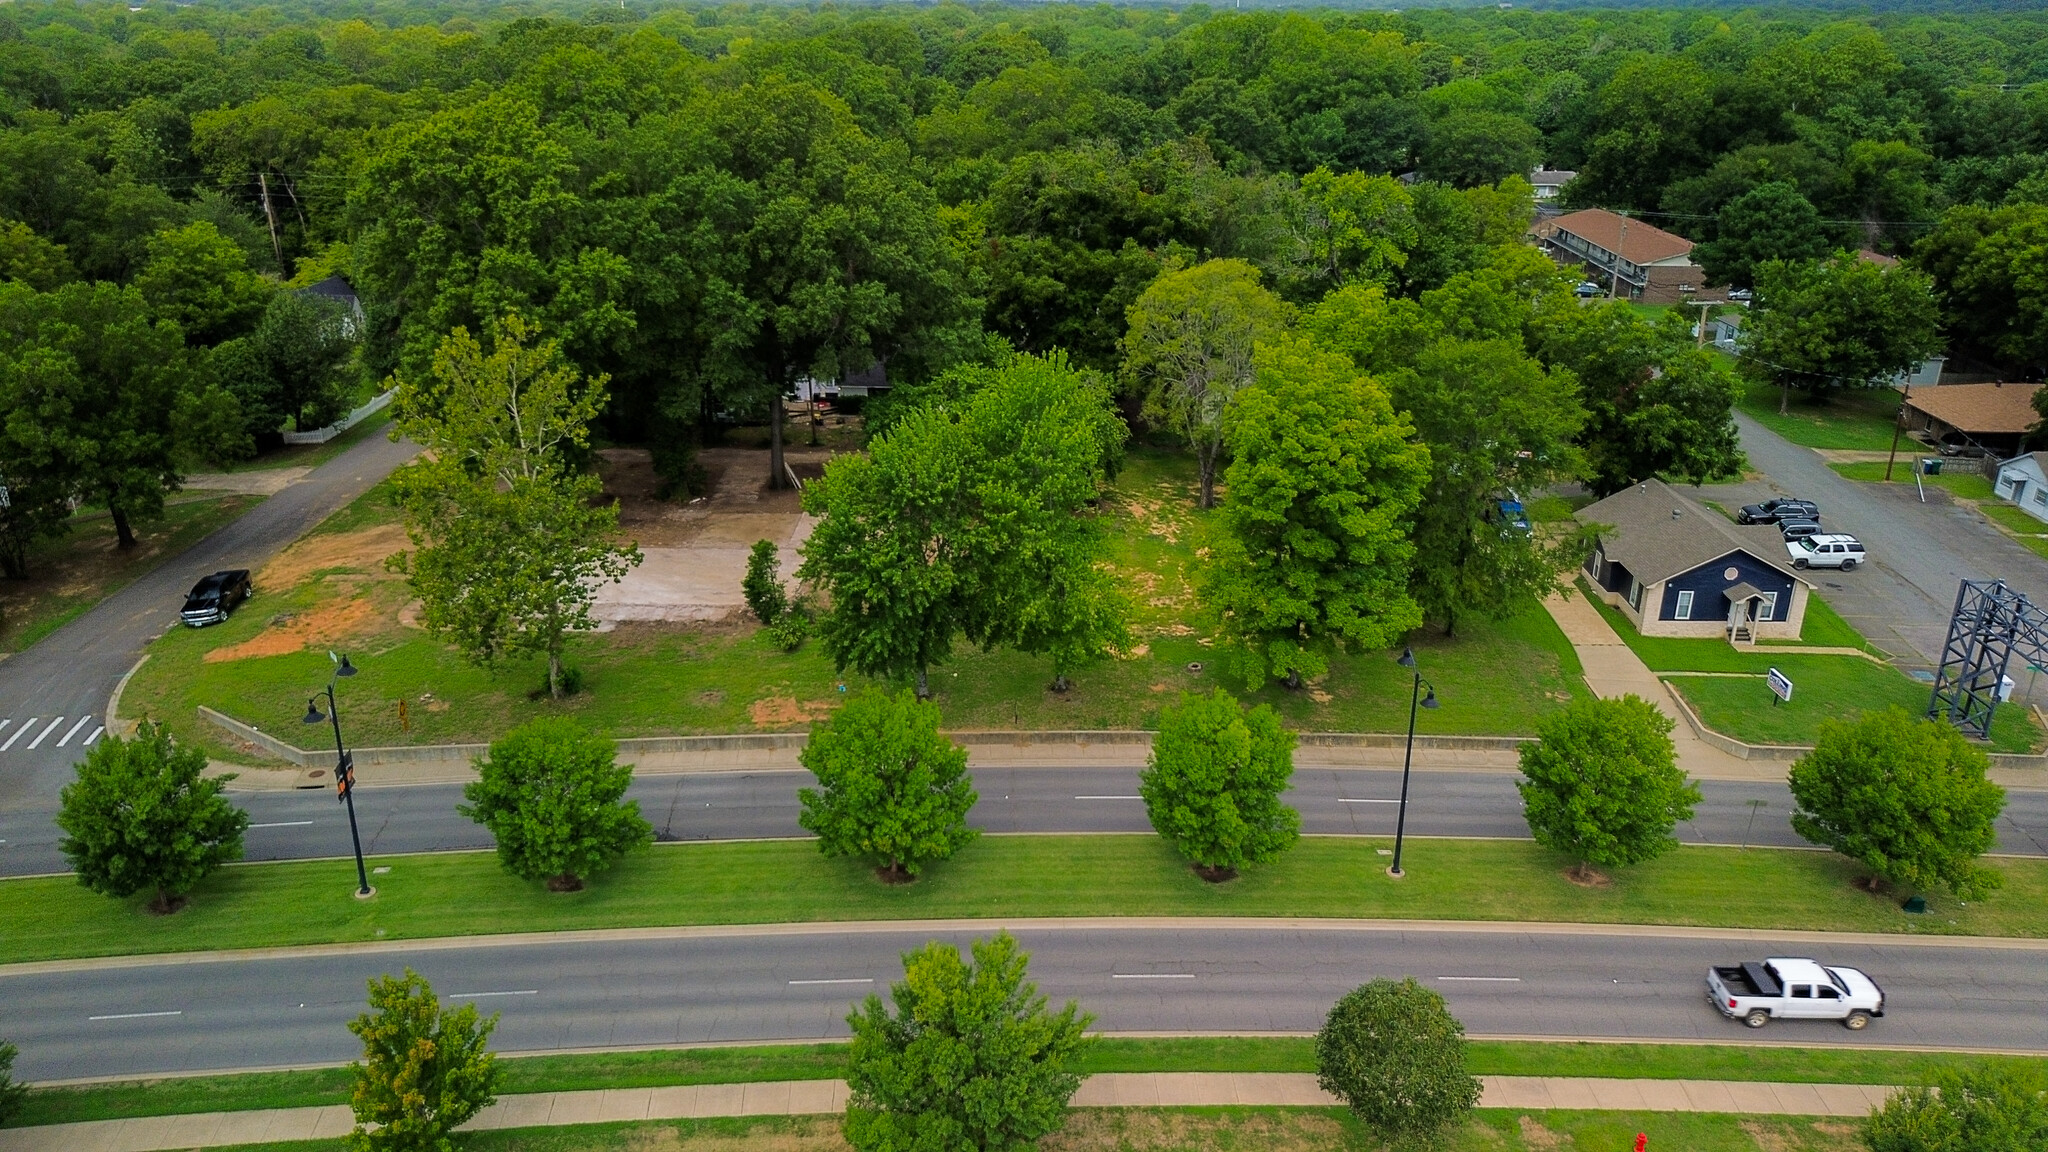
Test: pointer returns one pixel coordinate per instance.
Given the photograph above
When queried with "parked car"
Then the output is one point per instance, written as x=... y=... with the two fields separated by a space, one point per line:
x=1772 y=511
x=1827 y=550
x=1587 y=290
x=1799 y=529
x=1507 y=511
x=215 y=598
x=1787 y=989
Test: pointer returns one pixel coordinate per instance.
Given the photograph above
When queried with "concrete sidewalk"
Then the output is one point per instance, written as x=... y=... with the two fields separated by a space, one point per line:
x=826 y=1097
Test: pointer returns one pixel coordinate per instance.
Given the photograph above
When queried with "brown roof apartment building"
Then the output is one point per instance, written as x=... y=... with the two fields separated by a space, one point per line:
x=1652 y=265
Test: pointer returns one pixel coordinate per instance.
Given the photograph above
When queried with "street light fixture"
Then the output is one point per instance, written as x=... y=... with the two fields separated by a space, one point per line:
x=344 y=767
x=1415 y=699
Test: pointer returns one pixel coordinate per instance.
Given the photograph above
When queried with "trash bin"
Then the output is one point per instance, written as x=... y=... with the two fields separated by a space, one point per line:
x=1930 y=466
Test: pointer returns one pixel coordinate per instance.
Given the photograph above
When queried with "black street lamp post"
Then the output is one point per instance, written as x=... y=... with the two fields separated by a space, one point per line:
x=1415 y=699
x=344 y=768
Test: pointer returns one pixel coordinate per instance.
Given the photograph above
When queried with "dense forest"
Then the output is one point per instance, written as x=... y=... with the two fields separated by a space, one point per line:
x=707 y=204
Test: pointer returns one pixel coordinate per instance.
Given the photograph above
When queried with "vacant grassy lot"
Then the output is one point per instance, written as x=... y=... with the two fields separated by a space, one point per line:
x=1961 y=480
x=589 y=1071
x=1860 y=419
x=311 y=902
x=1825 y=687
x=1494 y=677
x=72 y=573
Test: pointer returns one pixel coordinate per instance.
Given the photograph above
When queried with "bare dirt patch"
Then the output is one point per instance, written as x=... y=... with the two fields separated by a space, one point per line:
x=300 y=631
x=1585 y=877
x=361 y=552
x=787 y=711
x=1540 y=1139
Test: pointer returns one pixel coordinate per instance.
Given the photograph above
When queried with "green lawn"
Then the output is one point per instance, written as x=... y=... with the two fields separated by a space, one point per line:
x=1824 y=687
x=75 y=571
x=1963 y=481
x=459 y=894
x=1494 y=677
x=1860 y=419
x=2031 y=533
x=590 y=1071
x=1235 y=1129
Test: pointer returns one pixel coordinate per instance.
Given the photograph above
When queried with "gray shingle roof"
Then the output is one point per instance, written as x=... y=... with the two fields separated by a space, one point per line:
x=1646 y=537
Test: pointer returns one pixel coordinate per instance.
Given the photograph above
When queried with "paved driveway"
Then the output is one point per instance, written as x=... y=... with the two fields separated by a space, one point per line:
x=1920 y=552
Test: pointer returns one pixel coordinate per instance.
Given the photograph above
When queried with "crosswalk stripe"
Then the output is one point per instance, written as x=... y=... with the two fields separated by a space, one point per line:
x=38 y=741
x=74 y=730
x=4 y=724
x=18 y=734
x=95 y=735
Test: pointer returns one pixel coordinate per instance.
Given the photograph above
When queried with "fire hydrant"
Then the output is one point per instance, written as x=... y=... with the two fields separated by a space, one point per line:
x=1642 y=1141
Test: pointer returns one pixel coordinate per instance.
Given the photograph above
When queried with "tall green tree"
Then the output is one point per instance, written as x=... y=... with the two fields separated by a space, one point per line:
x=297 y=366
x=1475 y=148
x=1213 y=784
x=1394 y=1054
x=1771 y=221
x=1905 y=798
x=201 y=281
x=553 y=796
x=1315 y=551
x=1496 y=421
x=426 y=1069
x=140 y=817
x=970 y=1059
x=1844 y=322
x=891 y=789
x=27 y=257
x=1986 y=269
x=1189 y=350
x=508 y=542
x=1602 y=784
x=1355 y=227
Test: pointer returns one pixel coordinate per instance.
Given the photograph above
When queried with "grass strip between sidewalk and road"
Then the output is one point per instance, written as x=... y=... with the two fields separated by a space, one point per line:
x=591 y=1071
x=782 y=882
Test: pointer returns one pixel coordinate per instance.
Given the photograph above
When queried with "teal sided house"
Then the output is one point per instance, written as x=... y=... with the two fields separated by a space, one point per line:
x=1676 y=568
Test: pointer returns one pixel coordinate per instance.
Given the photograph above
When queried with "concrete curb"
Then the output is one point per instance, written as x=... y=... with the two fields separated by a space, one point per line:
x=115 y=725
x=1790 y=752
x=1025 y=924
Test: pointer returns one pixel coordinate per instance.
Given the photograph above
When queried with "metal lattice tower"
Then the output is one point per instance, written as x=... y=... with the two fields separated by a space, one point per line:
x=1991 y=624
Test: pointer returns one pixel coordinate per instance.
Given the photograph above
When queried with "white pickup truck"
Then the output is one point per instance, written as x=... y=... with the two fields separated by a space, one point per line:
x=1788 y=989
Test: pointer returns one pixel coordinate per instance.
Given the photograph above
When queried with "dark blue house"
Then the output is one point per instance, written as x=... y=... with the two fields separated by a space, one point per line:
x=1676 y=568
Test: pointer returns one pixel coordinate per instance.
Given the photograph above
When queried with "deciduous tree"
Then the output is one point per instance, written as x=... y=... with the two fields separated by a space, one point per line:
x=891 y=789
x=1474 y=148
x=552 y=795
x=1771 y=221
x=1189 y=350
x=1989 y=1108
x=509 y=543
x=200 y=280
x=970 y=1059
x=140 y=817
x=1213 y=785
x=1602 y=784
x=426 y=1069
x=1396 y=1056
x=1323 y=485
x=1844 y=322
x=762 y=585
x=1906 y=798
x=27 y=257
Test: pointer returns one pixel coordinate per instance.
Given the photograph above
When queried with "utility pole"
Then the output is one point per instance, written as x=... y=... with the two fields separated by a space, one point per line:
x=1898 y=422
x=1614 y=267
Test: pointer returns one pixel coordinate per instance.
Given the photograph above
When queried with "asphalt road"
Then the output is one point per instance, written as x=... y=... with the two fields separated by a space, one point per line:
x=54 y=695
x=778 y=983
x=1919 y=552
x=751 y=805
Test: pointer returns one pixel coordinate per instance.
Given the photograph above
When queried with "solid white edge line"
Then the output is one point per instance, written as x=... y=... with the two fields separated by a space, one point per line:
x=38 y=741
x=1109 y=797
x=1349 y=800
x=1484 y=979
x=284 y=824
x=96 y=733
x=74 y=730
x=135 y=1015
x=854 y=980
x=1152 y=976
x=19 y=733
x=481 y=995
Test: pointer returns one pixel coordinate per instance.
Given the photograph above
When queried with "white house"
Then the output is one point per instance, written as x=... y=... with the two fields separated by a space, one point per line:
x=1550 y=182
x=2024 y=481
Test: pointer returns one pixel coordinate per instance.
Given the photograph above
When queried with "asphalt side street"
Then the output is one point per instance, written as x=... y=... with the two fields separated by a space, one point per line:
x=1919 y=552
x=763 y=804
x=66 y=679
x=779 y=983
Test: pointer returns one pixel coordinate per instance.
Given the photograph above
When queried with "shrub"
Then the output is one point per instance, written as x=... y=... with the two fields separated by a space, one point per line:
x=141 y=817
x=1905 y=798
x=971 y=1059
x=1396 y=1056
x=1988 y=1109
x=425 y=1069
x=1603 y=785
x=11 y=1094
x=550 y=793
x=892 y=790
x=762 y=585
x=1214 y=784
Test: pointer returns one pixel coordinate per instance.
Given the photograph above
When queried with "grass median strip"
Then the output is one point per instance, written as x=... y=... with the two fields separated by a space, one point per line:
x=589 y=1071
x=312 y=902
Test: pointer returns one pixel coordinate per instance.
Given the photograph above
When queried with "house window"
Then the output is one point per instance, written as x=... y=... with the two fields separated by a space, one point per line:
x=1684 y=611
x=2041 y=497
x=1768 y=610
x=1635 y=594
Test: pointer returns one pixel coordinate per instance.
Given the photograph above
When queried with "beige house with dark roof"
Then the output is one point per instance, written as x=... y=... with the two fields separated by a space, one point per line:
x=1675 y=568
x=1651 y=266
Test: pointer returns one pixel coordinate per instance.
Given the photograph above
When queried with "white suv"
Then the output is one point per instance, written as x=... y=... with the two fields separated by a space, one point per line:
x=1827 y=550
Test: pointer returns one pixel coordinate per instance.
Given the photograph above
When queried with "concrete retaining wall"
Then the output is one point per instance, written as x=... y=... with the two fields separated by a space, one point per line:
x=1790 y=752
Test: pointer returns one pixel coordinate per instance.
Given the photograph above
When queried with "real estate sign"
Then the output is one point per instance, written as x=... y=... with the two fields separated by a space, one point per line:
x=1781 y=686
